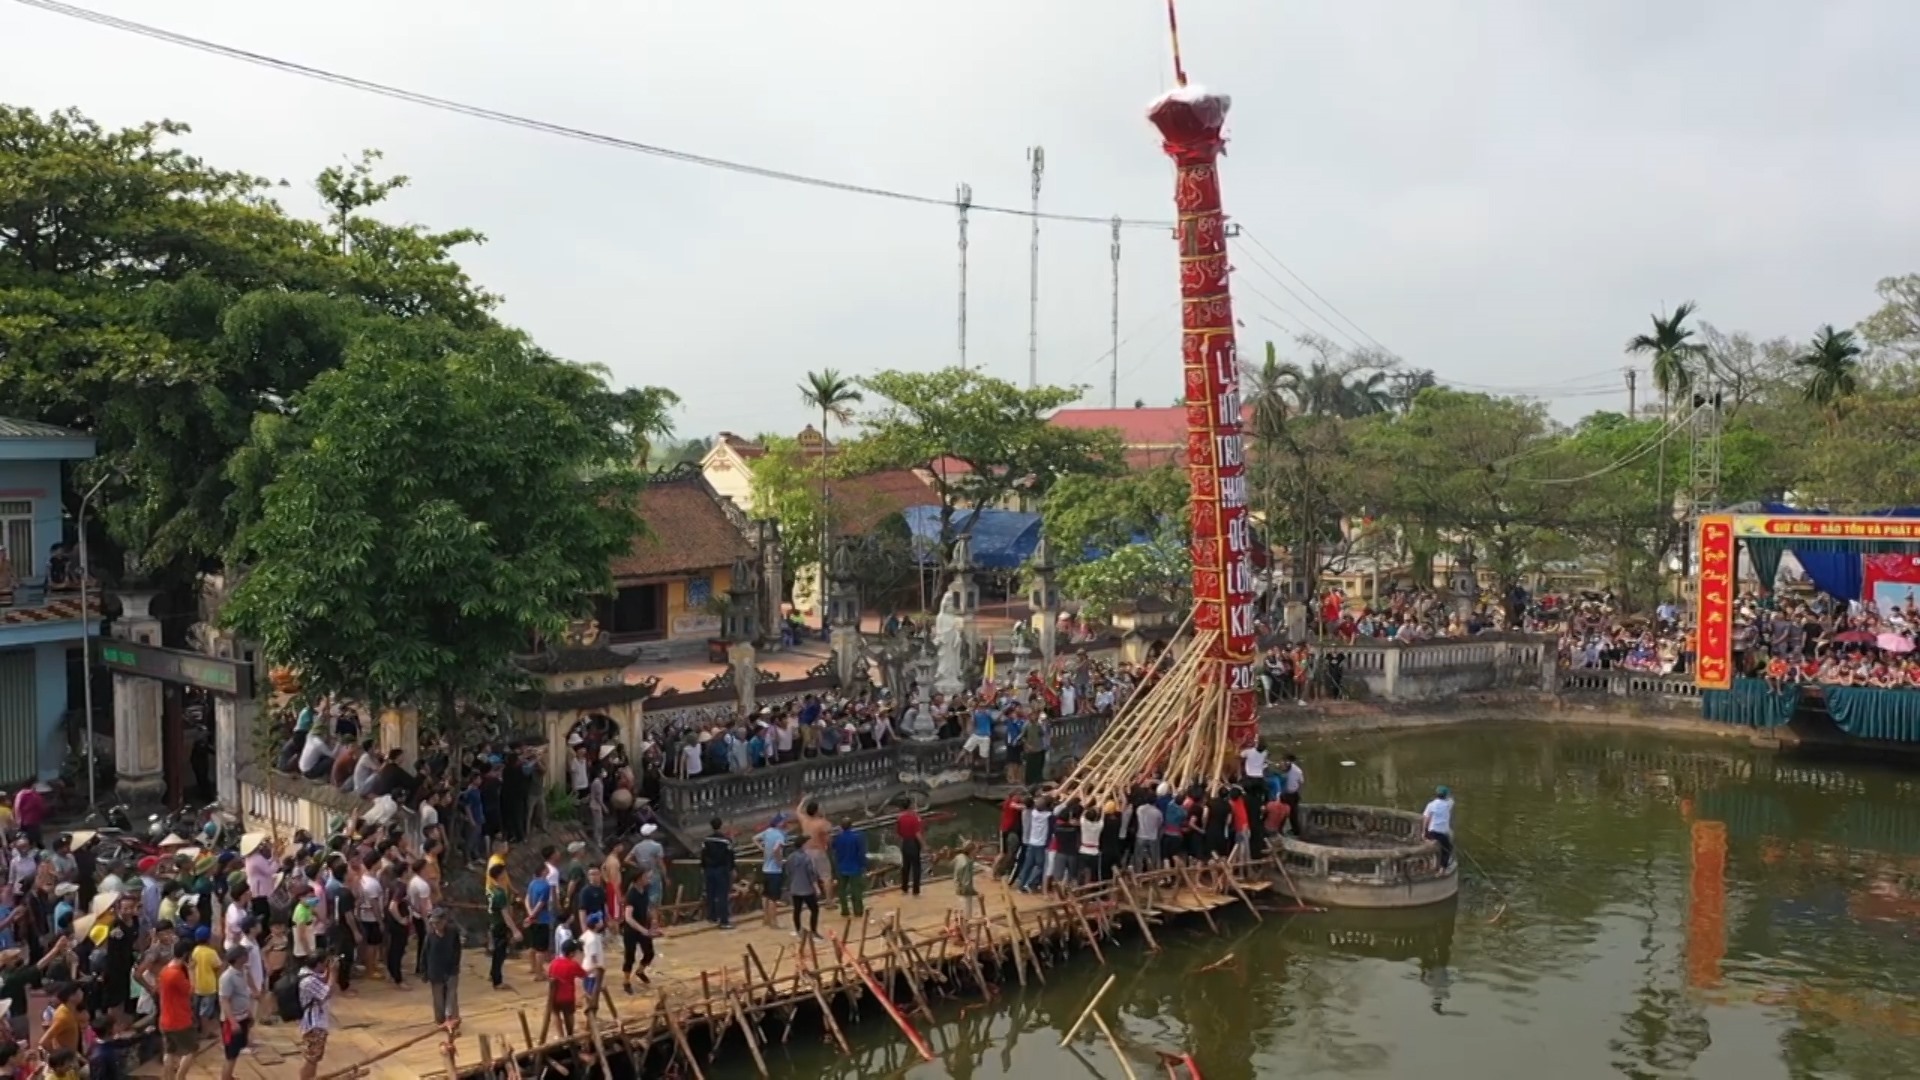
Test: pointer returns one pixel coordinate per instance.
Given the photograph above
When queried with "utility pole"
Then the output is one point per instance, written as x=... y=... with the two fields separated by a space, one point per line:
x=1632 y=375
x=1037 y=160
x=963 y=201
x=1113 y=379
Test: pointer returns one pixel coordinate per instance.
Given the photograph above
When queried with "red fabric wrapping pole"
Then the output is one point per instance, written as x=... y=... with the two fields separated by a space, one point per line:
x=1190 y=121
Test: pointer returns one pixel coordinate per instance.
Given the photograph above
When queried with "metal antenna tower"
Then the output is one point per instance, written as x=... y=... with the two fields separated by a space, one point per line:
x=1113 y=379
x=1037 y=159
x=963 y=202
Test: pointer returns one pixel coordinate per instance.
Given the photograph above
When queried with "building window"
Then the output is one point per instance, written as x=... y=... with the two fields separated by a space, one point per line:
x=16 y=535
x=699 y=593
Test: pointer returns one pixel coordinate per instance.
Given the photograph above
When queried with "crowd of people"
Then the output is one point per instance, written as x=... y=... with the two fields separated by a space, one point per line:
x=994 y=718
x=1815 y=638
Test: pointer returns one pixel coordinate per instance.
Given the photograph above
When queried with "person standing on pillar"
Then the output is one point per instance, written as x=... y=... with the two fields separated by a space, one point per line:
x=1437 y=823
x=716 y=868
x=912 y=833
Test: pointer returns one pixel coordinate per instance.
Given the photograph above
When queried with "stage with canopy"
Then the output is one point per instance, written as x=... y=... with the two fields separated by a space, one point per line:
x=1872 y=557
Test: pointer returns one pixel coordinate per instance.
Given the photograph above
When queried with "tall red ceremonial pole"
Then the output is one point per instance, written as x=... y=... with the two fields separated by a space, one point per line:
x=1190 y=120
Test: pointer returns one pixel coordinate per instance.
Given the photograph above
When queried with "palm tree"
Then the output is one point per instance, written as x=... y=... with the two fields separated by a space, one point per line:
x=833 y=394
x=1832 y=364
x=1270 y=394
x=1365 y=395
x=1674 y=352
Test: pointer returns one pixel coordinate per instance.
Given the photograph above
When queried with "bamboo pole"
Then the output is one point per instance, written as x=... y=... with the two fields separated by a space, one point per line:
x=746 y=1028
x=906 y=1026
x=680 y=1036
x=356 y=1069
x=1125 y=1066
x=1088 y=1011
x=1138 y=915
x=826 y=1012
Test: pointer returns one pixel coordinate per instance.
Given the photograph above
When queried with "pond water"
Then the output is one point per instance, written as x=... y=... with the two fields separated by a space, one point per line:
x=1631 y=905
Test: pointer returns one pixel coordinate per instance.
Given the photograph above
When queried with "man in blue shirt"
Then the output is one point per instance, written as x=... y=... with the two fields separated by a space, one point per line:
x=539 y=932
x=980 y=741
x=850 y=868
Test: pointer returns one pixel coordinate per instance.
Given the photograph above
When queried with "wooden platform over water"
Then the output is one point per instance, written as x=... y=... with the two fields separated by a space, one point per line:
x=743 y=987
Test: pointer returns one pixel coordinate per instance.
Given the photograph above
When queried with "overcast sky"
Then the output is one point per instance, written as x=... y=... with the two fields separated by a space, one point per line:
x=1496 y=189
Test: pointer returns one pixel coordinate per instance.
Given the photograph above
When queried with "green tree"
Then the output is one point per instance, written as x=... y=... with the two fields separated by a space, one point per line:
x=426 y=513
x=1896 y=325
x=785 y=490
x=1091 y=513
x=1468 y=466
x=1159 y=569
x=1831 y=365
x=983 y=440
x=163 y=305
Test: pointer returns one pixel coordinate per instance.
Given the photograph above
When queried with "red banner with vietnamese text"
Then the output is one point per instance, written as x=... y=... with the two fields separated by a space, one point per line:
x=1714 y=667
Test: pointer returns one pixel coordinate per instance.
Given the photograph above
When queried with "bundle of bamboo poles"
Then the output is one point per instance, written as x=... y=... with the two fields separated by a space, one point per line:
x=1176 y=732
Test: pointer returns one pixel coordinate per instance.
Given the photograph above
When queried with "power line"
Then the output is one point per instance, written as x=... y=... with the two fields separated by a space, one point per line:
x=1316 y=293
x=368 y=86
x=1253 y=260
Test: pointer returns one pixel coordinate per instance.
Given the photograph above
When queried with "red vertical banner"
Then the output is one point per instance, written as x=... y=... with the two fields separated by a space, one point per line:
x=1714 y=602
x=1190 y=120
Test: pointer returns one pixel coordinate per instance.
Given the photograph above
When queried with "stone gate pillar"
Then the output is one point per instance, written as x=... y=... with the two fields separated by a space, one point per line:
x=139 y=761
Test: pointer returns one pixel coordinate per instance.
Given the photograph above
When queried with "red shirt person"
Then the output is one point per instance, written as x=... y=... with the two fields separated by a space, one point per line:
x=912 y=831
x=563 y=978
x=178 y=1032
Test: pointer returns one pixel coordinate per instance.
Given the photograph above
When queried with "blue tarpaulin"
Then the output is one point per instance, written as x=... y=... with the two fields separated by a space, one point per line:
x=1002 y=539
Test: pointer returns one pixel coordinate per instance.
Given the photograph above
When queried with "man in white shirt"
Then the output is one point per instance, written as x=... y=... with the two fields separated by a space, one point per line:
x=593 y=957
x=314 y=754
x=1437 y=823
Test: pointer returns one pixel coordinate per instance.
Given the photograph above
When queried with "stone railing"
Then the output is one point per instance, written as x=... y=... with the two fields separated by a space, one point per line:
x=1435 y=669
x=859 y=778
x=863 y=779
x=1618 y=682
x=699 y=708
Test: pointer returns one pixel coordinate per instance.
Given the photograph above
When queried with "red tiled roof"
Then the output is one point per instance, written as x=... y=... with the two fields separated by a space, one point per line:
x=686 y=530
x=57 y=607
x=1156 y=427
x=1166 y=426
x=862 y=502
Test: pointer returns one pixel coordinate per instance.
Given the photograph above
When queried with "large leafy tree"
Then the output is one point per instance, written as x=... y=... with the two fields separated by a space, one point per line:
x=1087 y=515
x=425 y=510
x=1896 y=325
x=984 y=441
x=1468 y=466
x=1121 y=537
x=164 y=304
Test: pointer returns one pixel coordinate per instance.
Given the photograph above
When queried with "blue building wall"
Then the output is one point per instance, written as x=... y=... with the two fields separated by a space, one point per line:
x=48 y=640
x=38 y=481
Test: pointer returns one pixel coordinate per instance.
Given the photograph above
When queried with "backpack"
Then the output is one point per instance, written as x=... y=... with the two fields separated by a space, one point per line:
x=286 y=997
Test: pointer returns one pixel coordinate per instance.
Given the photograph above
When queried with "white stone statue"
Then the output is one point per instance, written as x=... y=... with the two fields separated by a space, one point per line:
x=950 y=647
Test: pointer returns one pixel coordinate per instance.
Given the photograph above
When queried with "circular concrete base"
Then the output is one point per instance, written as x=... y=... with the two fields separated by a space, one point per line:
x=1364 y=857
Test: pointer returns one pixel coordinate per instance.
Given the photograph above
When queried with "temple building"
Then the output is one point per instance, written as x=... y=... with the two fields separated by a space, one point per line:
x=672 y=585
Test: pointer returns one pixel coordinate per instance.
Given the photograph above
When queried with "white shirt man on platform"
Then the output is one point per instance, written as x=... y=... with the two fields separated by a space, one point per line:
x=1437 y=822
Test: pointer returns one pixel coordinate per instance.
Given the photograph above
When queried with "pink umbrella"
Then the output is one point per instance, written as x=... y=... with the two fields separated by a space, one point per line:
x=1895 y=643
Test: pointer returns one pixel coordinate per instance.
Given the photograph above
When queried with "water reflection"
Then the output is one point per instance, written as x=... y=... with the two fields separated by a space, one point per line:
x=1631 y=906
